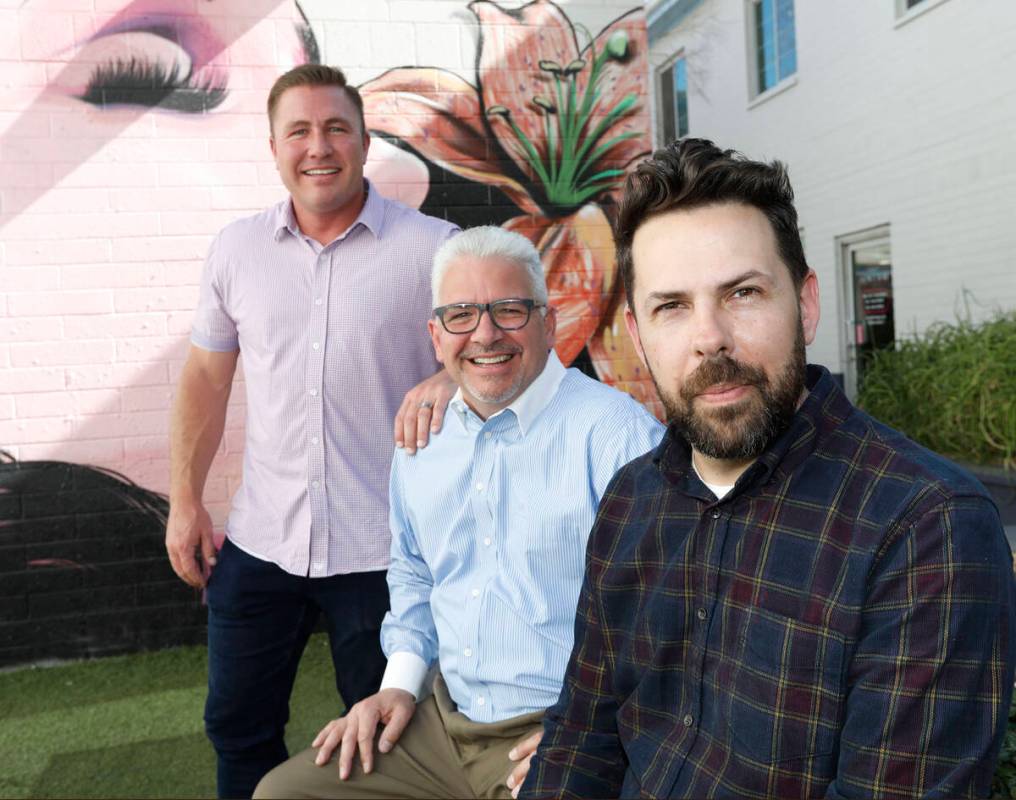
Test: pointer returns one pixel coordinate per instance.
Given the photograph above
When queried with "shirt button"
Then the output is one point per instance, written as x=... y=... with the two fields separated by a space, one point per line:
x=487 y=541
x=316 y=346
x=317 y=301
x=312 y=392
x=701 y=614
x=716 y=514
x=317 y=566
x=475 y=593
x=467 y=652
x=688 y=720
x=315 y=484
x=314 y=440
x=487 y=434
x=479 y=486
x=480 y=701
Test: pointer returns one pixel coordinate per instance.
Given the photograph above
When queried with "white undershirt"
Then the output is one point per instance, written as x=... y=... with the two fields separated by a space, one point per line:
x=716 y=488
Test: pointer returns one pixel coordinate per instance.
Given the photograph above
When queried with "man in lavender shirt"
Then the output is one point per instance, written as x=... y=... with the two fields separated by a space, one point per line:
x=327 y=297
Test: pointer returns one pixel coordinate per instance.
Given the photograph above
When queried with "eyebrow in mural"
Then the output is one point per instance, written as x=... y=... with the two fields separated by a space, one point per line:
x=146 y=56
x=554 y=126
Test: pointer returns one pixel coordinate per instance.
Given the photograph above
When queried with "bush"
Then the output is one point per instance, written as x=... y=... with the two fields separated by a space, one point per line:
x=953 y=389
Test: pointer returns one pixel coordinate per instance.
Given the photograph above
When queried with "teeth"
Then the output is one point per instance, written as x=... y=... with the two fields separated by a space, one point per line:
x=491 y=359
x=320 y=171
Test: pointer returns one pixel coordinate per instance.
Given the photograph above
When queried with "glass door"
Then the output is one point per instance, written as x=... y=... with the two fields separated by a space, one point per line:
x=866 y=264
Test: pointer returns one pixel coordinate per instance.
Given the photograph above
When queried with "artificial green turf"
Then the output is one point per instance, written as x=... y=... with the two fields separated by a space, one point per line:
x=131 y=726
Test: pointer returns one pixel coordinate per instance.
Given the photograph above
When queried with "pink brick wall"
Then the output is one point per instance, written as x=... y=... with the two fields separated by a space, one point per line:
x=106 y=210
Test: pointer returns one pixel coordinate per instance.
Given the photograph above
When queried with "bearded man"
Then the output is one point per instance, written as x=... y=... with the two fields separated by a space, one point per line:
x=786 y=598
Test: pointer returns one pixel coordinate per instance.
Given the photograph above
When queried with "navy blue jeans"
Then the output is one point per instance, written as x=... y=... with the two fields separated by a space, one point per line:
x=259 y=620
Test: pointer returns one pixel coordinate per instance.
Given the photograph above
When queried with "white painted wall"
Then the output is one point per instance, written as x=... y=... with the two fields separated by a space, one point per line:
x=910 y=123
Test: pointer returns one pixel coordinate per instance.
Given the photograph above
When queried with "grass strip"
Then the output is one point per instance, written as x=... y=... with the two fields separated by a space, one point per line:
x=131 y=726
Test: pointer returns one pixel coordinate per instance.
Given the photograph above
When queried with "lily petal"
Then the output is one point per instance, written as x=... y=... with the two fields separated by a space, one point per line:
x=617 y=362
x=578 y=261
x=437 y=113
x=513 y=44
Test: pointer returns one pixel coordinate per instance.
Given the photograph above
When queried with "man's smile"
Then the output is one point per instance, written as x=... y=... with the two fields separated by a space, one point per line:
x=321 y=171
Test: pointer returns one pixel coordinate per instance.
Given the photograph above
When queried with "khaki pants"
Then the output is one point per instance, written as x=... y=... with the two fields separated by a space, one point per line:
x=441 y=753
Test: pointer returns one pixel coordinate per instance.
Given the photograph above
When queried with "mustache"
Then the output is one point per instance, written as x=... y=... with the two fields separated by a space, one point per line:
x=481 y=351
x=721 y=369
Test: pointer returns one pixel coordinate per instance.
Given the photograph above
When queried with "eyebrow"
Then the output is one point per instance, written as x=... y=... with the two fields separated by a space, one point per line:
x=330 y=121
x=726 y=286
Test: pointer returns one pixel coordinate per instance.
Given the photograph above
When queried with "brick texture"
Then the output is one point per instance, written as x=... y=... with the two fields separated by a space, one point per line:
x=106 y=212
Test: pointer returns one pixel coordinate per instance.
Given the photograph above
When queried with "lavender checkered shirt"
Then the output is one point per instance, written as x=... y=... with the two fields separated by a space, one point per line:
x=331 y=339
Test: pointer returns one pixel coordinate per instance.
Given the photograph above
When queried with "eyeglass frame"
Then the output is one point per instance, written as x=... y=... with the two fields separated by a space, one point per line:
x=529 y=303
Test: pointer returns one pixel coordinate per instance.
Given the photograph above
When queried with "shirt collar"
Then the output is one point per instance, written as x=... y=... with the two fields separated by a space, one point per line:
x=371 y=216
x=528 y=405
x=824 y=405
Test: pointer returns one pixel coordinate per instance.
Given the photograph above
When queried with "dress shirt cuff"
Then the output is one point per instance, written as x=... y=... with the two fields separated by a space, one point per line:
x=406 y=671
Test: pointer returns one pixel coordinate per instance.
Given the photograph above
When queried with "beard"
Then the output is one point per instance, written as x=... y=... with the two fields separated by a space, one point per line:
x=742 y=429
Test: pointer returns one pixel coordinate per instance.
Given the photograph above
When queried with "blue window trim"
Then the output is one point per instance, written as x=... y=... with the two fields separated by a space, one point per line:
x=668 y=15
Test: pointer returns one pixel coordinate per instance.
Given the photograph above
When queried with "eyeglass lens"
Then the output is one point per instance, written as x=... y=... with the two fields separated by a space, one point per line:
x=509 y=315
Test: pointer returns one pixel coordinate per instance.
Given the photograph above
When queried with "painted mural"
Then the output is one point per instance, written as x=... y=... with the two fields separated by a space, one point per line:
x=553 y=124
x=130 y=132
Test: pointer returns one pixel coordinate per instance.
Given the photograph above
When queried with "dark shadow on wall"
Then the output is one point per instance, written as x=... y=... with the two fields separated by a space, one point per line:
x=83 y=566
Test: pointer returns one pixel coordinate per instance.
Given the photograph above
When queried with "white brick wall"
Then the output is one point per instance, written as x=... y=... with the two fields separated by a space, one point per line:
x=106 y=214
x=911 y=124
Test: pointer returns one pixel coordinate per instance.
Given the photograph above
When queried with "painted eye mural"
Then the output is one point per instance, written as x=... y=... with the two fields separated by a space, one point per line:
x=132 y=130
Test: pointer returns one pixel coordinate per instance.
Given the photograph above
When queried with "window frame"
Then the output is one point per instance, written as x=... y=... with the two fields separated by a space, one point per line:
x=676 y=119
x=755 y=50
x=905 y=14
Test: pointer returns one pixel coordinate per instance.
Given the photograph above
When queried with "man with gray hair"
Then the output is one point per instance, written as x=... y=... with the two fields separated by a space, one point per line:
x=489 y=526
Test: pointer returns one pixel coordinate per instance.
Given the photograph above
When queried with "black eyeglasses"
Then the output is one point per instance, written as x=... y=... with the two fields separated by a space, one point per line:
x=509 y=315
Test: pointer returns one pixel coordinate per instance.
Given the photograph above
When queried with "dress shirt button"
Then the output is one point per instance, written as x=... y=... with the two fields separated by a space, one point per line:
x=716 y=514
x=701 y=614
x=487 y=434
x=316 y=346
x=480 y=701
x=475 y=593
x=487 y=541
x=467 y=652
x=688 y=720
x=317 y=566
x=317 y=301
x=312 y=392
x=314 y=440
x=479 y=486
x=315 y=484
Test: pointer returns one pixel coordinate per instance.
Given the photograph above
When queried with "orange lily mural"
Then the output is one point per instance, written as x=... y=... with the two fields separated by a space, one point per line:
x=555 y=127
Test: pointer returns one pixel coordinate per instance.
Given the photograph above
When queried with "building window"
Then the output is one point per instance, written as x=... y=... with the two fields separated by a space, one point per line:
x=674 y=99
x=908 y=9
x=772 y=27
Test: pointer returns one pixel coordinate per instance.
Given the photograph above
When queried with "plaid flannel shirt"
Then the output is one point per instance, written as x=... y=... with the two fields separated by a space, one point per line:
x=839 y=625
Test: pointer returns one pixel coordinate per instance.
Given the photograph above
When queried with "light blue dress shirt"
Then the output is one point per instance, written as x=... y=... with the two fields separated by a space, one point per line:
x=489 y=526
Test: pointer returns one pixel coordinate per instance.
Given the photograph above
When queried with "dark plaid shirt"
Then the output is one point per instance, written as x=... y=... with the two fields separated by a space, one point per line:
x=840 y=624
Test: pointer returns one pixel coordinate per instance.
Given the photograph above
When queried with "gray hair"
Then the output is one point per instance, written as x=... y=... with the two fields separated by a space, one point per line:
x=489 y=241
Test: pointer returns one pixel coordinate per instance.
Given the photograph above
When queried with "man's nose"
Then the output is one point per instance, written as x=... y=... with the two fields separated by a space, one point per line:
x=486 y=331
x=711 y=335
x=320 y=144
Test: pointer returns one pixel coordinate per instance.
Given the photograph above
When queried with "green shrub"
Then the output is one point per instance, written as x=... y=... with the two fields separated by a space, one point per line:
x=953 y=389
x=1004 y=783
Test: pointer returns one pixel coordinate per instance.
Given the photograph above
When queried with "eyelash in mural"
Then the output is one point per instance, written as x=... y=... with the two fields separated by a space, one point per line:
x=143 y=83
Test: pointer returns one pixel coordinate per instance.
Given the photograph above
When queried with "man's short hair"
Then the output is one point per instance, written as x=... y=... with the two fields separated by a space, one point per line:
x=691 y=173
x=489 y=241
x=313 y=75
